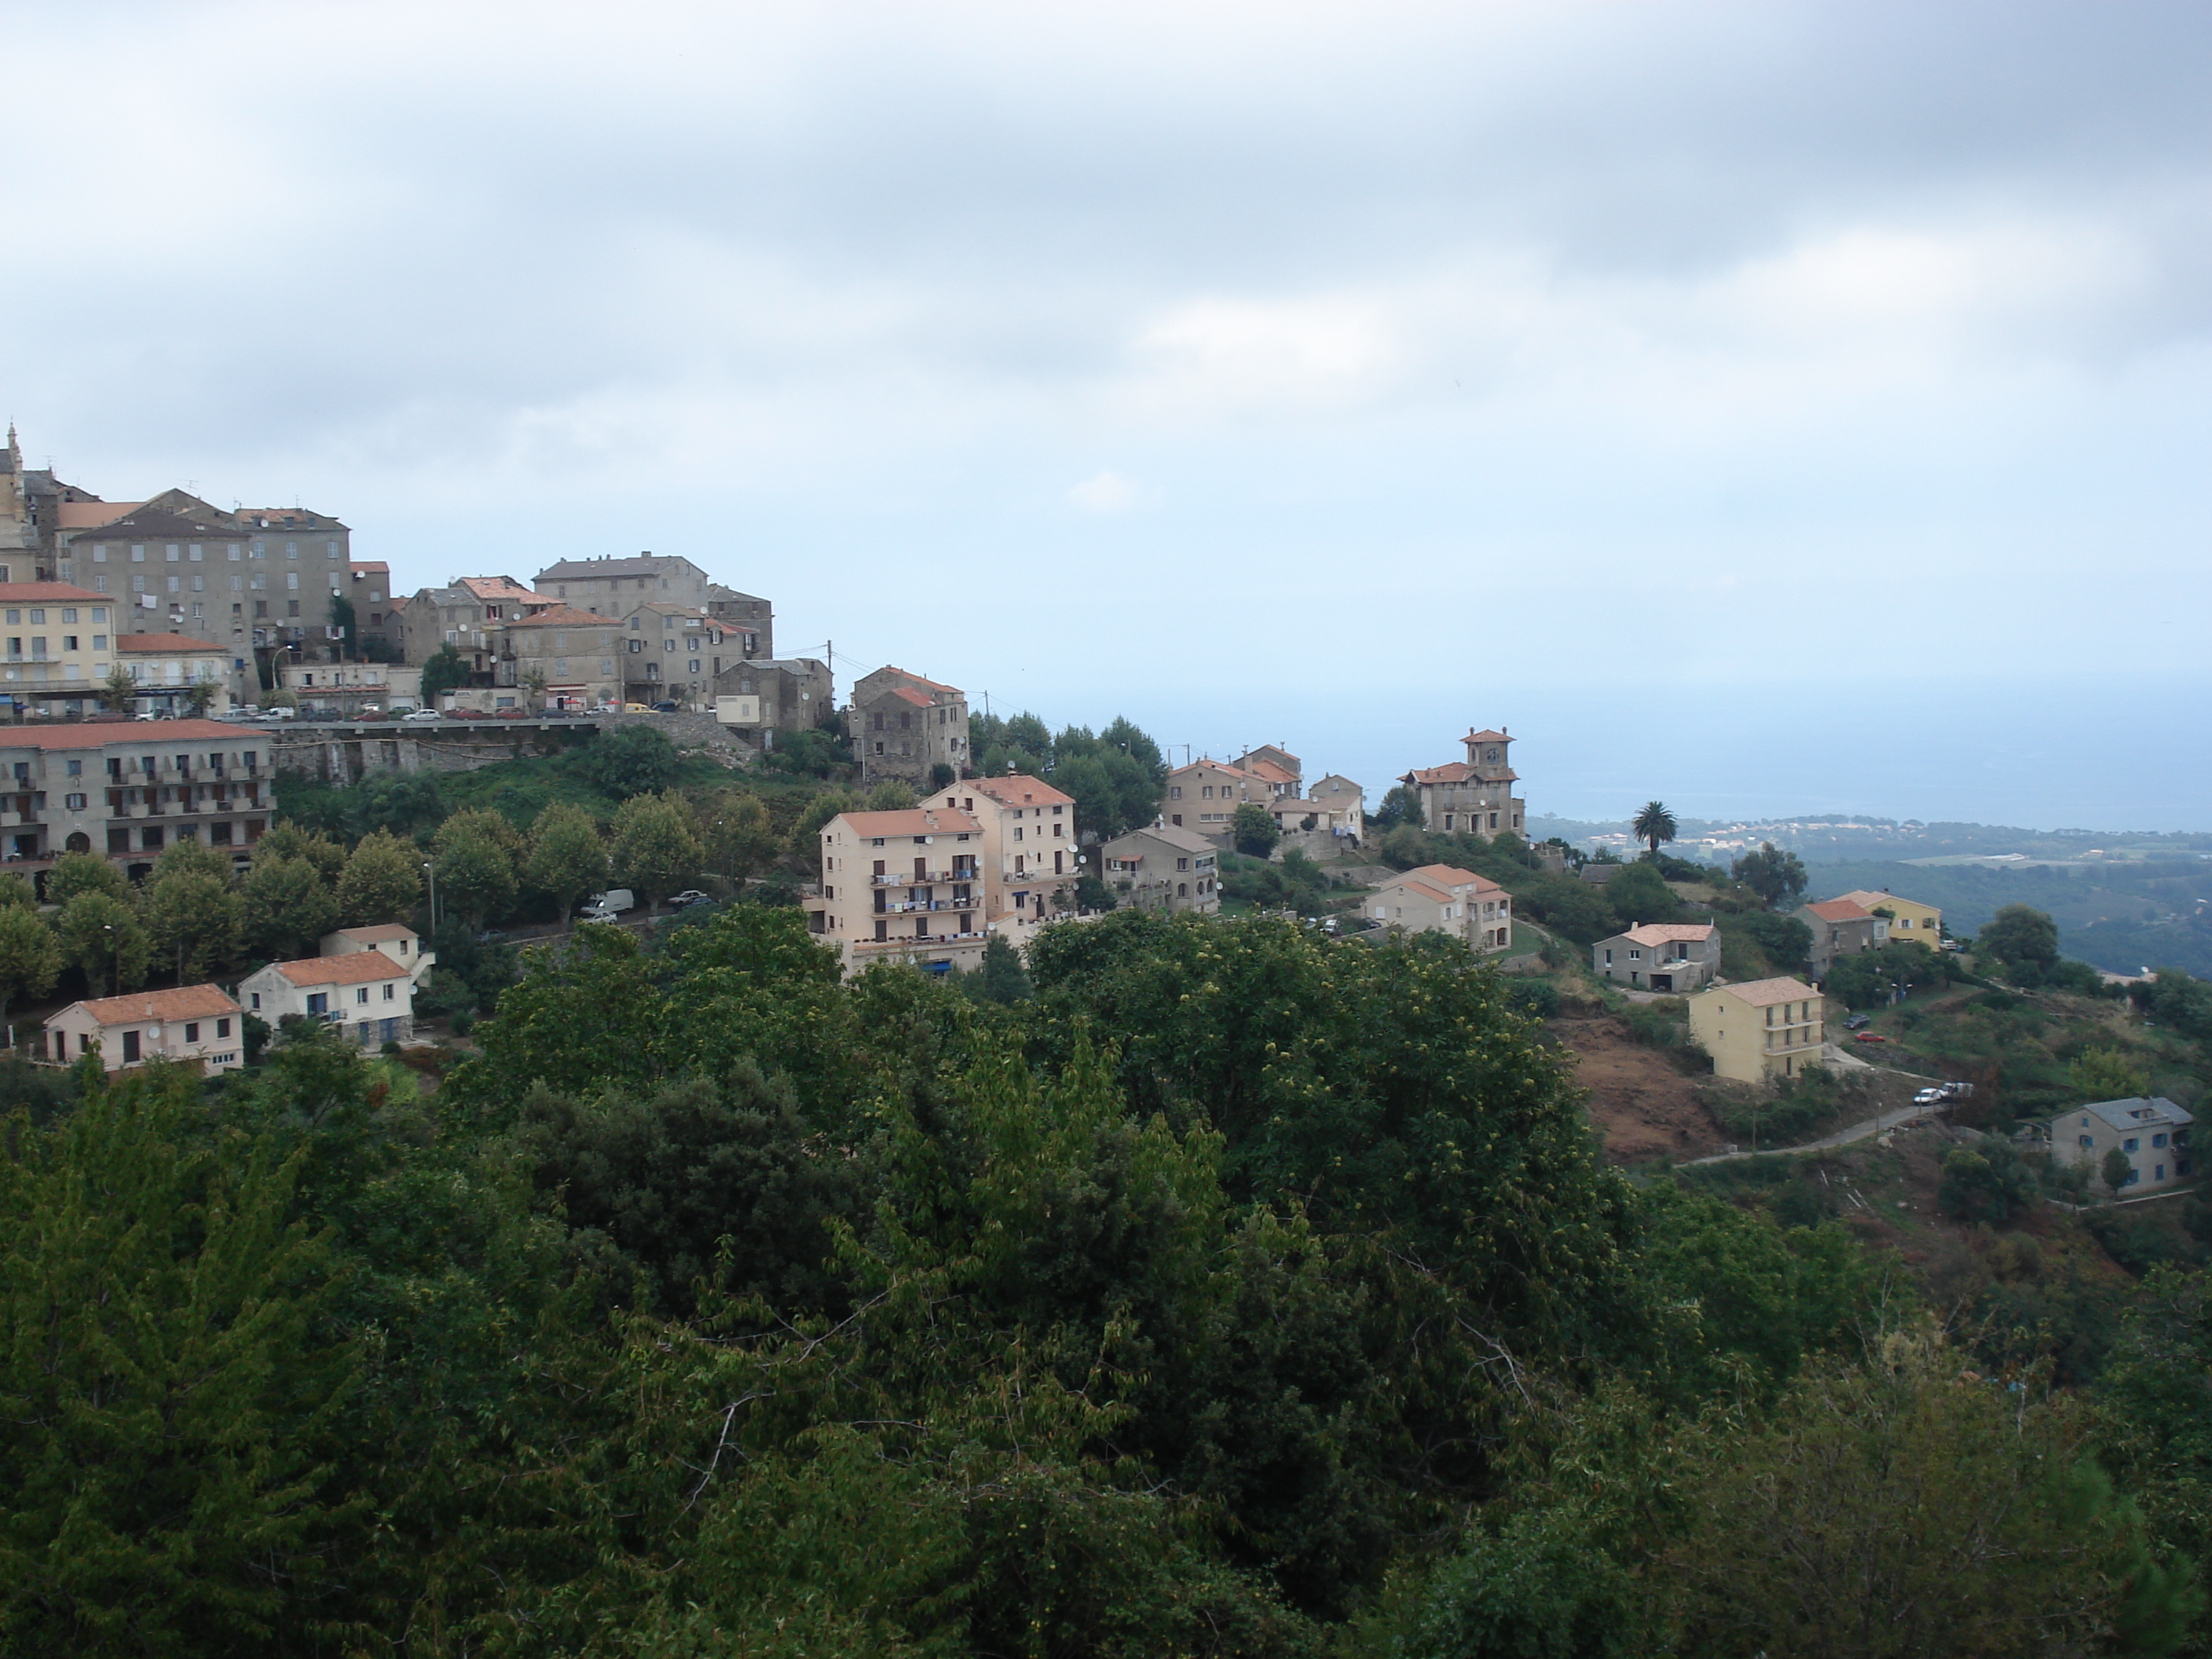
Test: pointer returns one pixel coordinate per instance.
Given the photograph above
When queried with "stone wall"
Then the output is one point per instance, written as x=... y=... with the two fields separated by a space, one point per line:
x=343 y=753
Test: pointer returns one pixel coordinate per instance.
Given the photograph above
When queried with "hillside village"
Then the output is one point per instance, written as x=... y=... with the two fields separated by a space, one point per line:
x=279 y=844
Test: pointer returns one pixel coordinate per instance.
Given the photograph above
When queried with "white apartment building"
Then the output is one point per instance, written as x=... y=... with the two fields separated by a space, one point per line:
x=906 y=886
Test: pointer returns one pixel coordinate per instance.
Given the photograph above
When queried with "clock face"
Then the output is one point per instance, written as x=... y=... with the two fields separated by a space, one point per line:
x=1490 y=754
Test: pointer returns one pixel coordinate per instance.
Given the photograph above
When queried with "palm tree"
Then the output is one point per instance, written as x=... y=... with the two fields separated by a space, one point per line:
x=1654 y=824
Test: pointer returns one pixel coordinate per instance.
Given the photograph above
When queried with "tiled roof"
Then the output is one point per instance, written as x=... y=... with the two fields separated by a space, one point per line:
x=580 y=570
x=369 y=567
x=141 y=1007
x=1171 y=834
x=50 y=593
x=1840 y=910
x=1205 y=763
x=286 y=518
x=914 y=821
x=1450 y=772
x=90 y=515
x=907 y=693
x=560 y=614
x=120 y=734
x=1670 y=933
x=918 y=679
x=160 y=642
x=1867 y=901
x=1020 y=789
x=354 y=967
x=1447 y=875
x=1270 y=771
x=497 y=587
x=1486 y=736
x=1765 y=993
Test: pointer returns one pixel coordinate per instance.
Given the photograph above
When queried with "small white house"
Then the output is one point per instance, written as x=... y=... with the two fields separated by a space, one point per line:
x=366 y=992
x=192 y=1023
x=396 y=939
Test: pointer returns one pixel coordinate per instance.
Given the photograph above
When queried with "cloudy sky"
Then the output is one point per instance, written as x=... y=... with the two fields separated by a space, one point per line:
x=1766 y=407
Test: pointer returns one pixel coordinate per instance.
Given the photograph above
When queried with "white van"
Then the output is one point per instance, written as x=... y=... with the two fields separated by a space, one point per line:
x=605 y=907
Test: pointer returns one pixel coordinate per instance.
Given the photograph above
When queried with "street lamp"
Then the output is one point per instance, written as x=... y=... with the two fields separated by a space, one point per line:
x=432 y=869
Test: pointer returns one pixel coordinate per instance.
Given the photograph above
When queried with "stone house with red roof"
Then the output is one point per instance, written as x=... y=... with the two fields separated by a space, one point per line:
x=1841 y=927
x=911 y=729
x=1473 y=796
x=1675 y=957
x=194 y=1024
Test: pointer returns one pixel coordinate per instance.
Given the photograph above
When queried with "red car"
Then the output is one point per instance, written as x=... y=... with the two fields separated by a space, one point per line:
x=1869 y=1036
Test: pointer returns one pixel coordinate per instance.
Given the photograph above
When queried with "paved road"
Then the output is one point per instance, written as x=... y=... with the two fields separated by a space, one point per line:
x=1873 y=1126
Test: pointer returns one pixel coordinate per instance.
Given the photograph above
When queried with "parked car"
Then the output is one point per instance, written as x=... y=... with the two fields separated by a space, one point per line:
x=1958 y=1090
x=512 y=714
x=422 y=714
x=1869 y=1036
x=664 y=708
x=635 y=709
x=1858 y=1022
x=691 y=896
x=1929 y=1097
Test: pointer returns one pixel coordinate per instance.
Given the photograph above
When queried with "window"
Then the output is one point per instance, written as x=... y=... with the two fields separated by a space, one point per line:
x=2087 y=1140
x=318 y=1002
x=361 y=994
x=2158 y=1140
x=192 y=1032
x=390 y=994
x=222 y=1027
x=173 y=552
x=2130 y=1145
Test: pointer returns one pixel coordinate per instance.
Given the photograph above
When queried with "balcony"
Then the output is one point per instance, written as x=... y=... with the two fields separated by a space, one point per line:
x=934 y=878
x=913 y=941
x=928 y=904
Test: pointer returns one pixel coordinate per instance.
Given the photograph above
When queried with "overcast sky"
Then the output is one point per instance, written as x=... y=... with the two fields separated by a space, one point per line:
x=1763 y=407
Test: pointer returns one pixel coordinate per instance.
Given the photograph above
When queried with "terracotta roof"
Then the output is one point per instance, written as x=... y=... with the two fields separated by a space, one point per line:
x=185 y=1002
x=121 y=734
x=561 y=614
x=1447 y=875
x=1840 y=910
x=354 y=967
x=498 y=587
x=1187 y=841
x=1205 y=762
x=1414 y=884
x=1273 y=772
x=1450 y=772
x=915 y=821
x=160 y=642
x=1020 y=789
x=1867 y=901
x=1765 y=993
x=1669 y=932
x=90 y=515
x=919 y=679
x=51 y=593
x=1486 y=737
x=918 y=699
x=369 y=567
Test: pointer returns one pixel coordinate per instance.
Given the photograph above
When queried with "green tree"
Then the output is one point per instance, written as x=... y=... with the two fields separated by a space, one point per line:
x=2116 y=1169
x=1001 y=979
x=445 y=671
x=740 y=837
x=656 y=846
x=167 y=1378
x=892 y=795
x=1639 y=894
x=1988 y=1181
x=628 y=760
x=101 y=935
x=476 y=878
x=289 y=906
x=118 y=691
x=1253 y=831
x=343 y=619
x=1401 y=806
x=30 y=960
x=382 y=881
x=200 y=695
x=2020 y=935
x=481 y=823
x=1778 y=878
x=568 y=858
x=805 y=840
x=188 y=857
x=84 y=872
x=17 y=893
x=2107 y=1074
x=1654 y=825
x=196 y=920
x=287 y=841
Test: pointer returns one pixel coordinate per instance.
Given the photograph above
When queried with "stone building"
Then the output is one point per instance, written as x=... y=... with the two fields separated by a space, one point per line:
x=1473 y=796
x=906 y=727
x=757 y=700
x=1163 y=868
x=1841 y=927
x=748 y=622
x=127 y=790
x=577 y=656
x=669 y=654
x=615 y=587
x=1204 y=796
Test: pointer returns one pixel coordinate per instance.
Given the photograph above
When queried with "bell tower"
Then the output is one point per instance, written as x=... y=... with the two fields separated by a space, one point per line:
x=1489 y=755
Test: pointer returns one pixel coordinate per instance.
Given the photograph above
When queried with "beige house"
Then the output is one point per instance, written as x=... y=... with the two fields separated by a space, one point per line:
x=1029 y=840
x=60 y=647
x=668 y=654
x=1841 y=927
x=1205 y=794
x=1909 y=921
x=910 y=886
x=1473 y=796
x=2152 y=1135
x=1766 y=1029
x=192 y=1023
x=1441 y=898
x=1675 y=957
x=366 y=994
x=905 y=727
x=396 y=939
x=346 y=688
x=1324 y=823
x=576 y=655
x=616 y=586
x=1163 y=868
x=127 y=789
x=165 y=667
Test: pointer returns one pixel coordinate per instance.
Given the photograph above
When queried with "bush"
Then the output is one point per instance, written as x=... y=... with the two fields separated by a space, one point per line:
x=1990 y=1182
x=1539 y=999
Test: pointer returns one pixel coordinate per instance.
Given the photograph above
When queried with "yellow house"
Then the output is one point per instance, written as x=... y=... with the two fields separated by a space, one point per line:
x=1910 y=920
x=1770 y=1028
